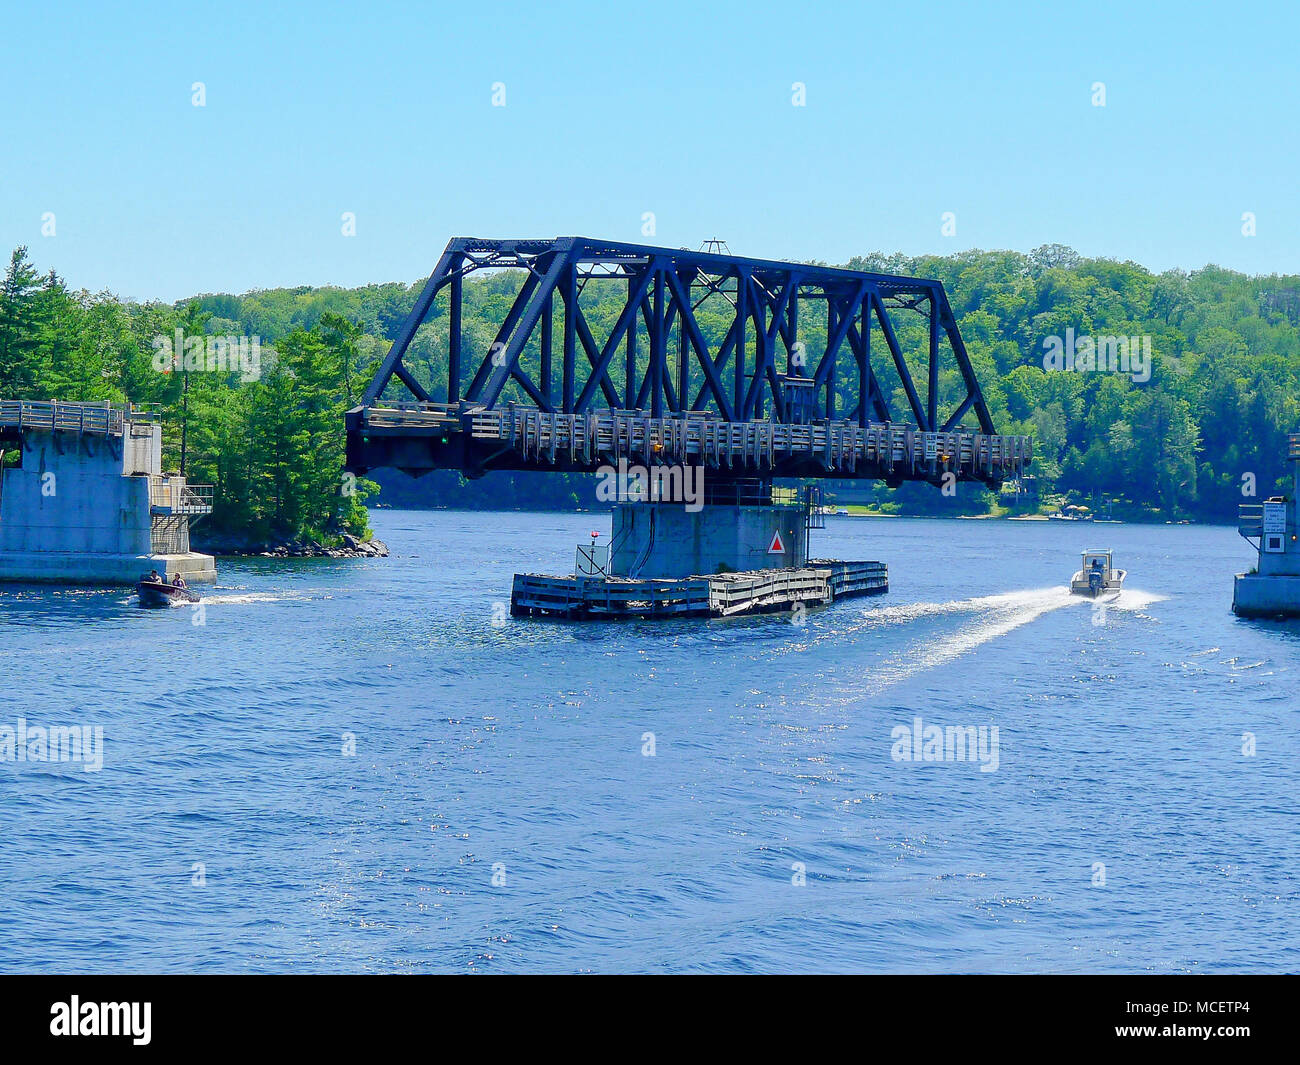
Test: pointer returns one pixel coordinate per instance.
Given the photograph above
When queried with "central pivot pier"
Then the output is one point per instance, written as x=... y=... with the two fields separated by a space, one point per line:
x=698 y=366
x=735 y=527
x=742 y=549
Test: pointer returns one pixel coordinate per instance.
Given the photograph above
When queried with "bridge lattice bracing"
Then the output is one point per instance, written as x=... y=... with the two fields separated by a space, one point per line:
x=746 y=366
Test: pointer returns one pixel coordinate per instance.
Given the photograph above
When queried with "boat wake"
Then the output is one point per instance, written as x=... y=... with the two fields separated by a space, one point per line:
x=990 y=617
x=1130 y=599
x=247 y=597
x=1000 y=615
x=1027 y=604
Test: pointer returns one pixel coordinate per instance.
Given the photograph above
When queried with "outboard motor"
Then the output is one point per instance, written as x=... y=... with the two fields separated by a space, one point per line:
x=1095 y=582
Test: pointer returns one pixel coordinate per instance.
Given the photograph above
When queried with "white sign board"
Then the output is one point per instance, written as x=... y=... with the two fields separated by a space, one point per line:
x=593 y=561
x=1274 y=539
x=1275 y=517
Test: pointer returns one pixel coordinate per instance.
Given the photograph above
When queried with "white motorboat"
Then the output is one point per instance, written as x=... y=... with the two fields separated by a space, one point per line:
x=1097 y=576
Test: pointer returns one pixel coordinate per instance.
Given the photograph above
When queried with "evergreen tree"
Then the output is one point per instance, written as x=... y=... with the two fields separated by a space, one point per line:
x=19 y=328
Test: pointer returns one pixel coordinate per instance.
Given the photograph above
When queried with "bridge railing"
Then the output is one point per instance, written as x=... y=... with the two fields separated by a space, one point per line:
x=104 y=419
x=543 y=436
x=172 y=495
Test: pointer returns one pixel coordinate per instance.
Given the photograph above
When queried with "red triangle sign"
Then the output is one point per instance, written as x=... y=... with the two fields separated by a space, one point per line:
x=777 y=547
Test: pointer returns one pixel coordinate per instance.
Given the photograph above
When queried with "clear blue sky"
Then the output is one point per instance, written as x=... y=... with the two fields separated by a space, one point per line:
x=616 y=109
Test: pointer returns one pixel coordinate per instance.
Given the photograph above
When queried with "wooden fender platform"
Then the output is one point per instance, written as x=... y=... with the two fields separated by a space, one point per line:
x=718 y=595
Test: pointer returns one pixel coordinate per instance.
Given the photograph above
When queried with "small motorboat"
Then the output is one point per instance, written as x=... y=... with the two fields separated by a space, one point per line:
x=1097 y=575
x=154 y=594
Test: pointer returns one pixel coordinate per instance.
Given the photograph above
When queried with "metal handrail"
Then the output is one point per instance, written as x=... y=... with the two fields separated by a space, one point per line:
x=191 y=499
x=1250 y=519
x=105 y=419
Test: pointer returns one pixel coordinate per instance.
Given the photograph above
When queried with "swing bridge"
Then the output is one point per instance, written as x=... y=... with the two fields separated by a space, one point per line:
x=750 y=368
x=580 y=355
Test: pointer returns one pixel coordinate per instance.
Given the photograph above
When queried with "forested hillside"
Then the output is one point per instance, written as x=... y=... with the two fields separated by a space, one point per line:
x=1217 y=400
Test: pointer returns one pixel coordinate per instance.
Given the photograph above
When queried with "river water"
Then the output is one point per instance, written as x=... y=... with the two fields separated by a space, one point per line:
x=363 y=765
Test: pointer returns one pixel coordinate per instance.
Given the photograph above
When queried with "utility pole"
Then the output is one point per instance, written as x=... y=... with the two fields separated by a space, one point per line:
x=185 y=414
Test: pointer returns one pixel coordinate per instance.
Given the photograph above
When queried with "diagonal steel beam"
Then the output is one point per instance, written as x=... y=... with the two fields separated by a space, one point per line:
x=494 y=360
x=450 y=261
x=711 y=377
x=861 y=344
x=507 y=367
x=765 y=367
x=719 y=364
x=900 y=364
x=973 y=391
x=600 y=366
x=847 y=314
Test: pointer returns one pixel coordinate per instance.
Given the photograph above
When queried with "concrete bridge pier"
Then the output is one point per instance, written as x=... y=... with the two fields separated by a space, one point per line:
x=89 y=502
x=734 y=528
x=1272 y=590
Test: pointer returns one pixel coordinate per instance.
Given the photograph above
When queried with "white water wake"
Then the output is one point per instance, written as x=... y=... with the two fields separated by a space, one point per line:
x=999 y=615
x=248 y=597
x=992 y=616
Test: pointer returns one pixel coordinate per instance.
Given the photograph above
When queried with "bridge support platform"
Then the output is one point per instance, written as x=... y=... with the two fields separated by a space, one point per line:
x=1272 y=590
x=739 y=553
x=720 y=595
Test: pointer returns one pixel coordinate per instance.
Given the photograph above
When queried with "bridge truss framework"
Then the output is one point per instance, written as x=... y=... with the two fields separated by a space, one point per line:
x=546 y=394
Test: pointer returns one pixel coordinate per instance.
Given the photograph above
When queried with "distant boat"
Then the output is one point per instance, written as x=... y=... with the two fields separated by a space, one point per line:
x=1072 y=513
x=155 y=594
x=1097 y=575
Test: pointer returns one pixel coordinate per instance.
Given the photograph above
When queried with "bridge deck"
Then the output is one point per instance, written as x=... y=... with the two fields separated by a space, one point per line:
x=423 y=436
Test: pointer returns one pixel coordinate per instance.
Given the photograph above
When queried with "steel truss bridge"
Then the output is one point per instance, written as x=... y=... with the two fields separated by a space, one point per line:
x=740 y=365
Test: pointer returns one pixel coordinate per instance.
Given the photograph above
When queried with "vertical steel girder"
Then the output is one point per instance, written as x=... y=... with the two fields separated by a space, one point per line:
x=677 y=370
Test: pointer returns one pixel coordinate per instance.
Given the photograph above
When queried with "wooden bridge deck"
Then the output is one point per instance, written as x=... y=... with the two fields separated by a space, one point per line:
x=529 y=438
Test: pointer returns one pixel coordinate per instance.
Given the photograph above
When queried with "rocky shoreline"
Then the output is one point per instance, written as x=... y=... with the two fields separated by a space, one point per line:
x=228 y=545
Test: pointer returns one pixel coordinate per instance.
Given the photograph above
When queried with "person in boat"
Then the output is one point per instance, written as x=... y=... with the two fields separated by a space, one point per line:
x=178 y=581
x=153 y=577
x=1096 y=576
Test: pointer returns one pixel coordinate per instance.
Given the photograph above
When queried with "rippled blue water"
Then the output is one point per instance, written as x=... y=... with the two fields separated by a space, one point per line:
x=518 y=748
